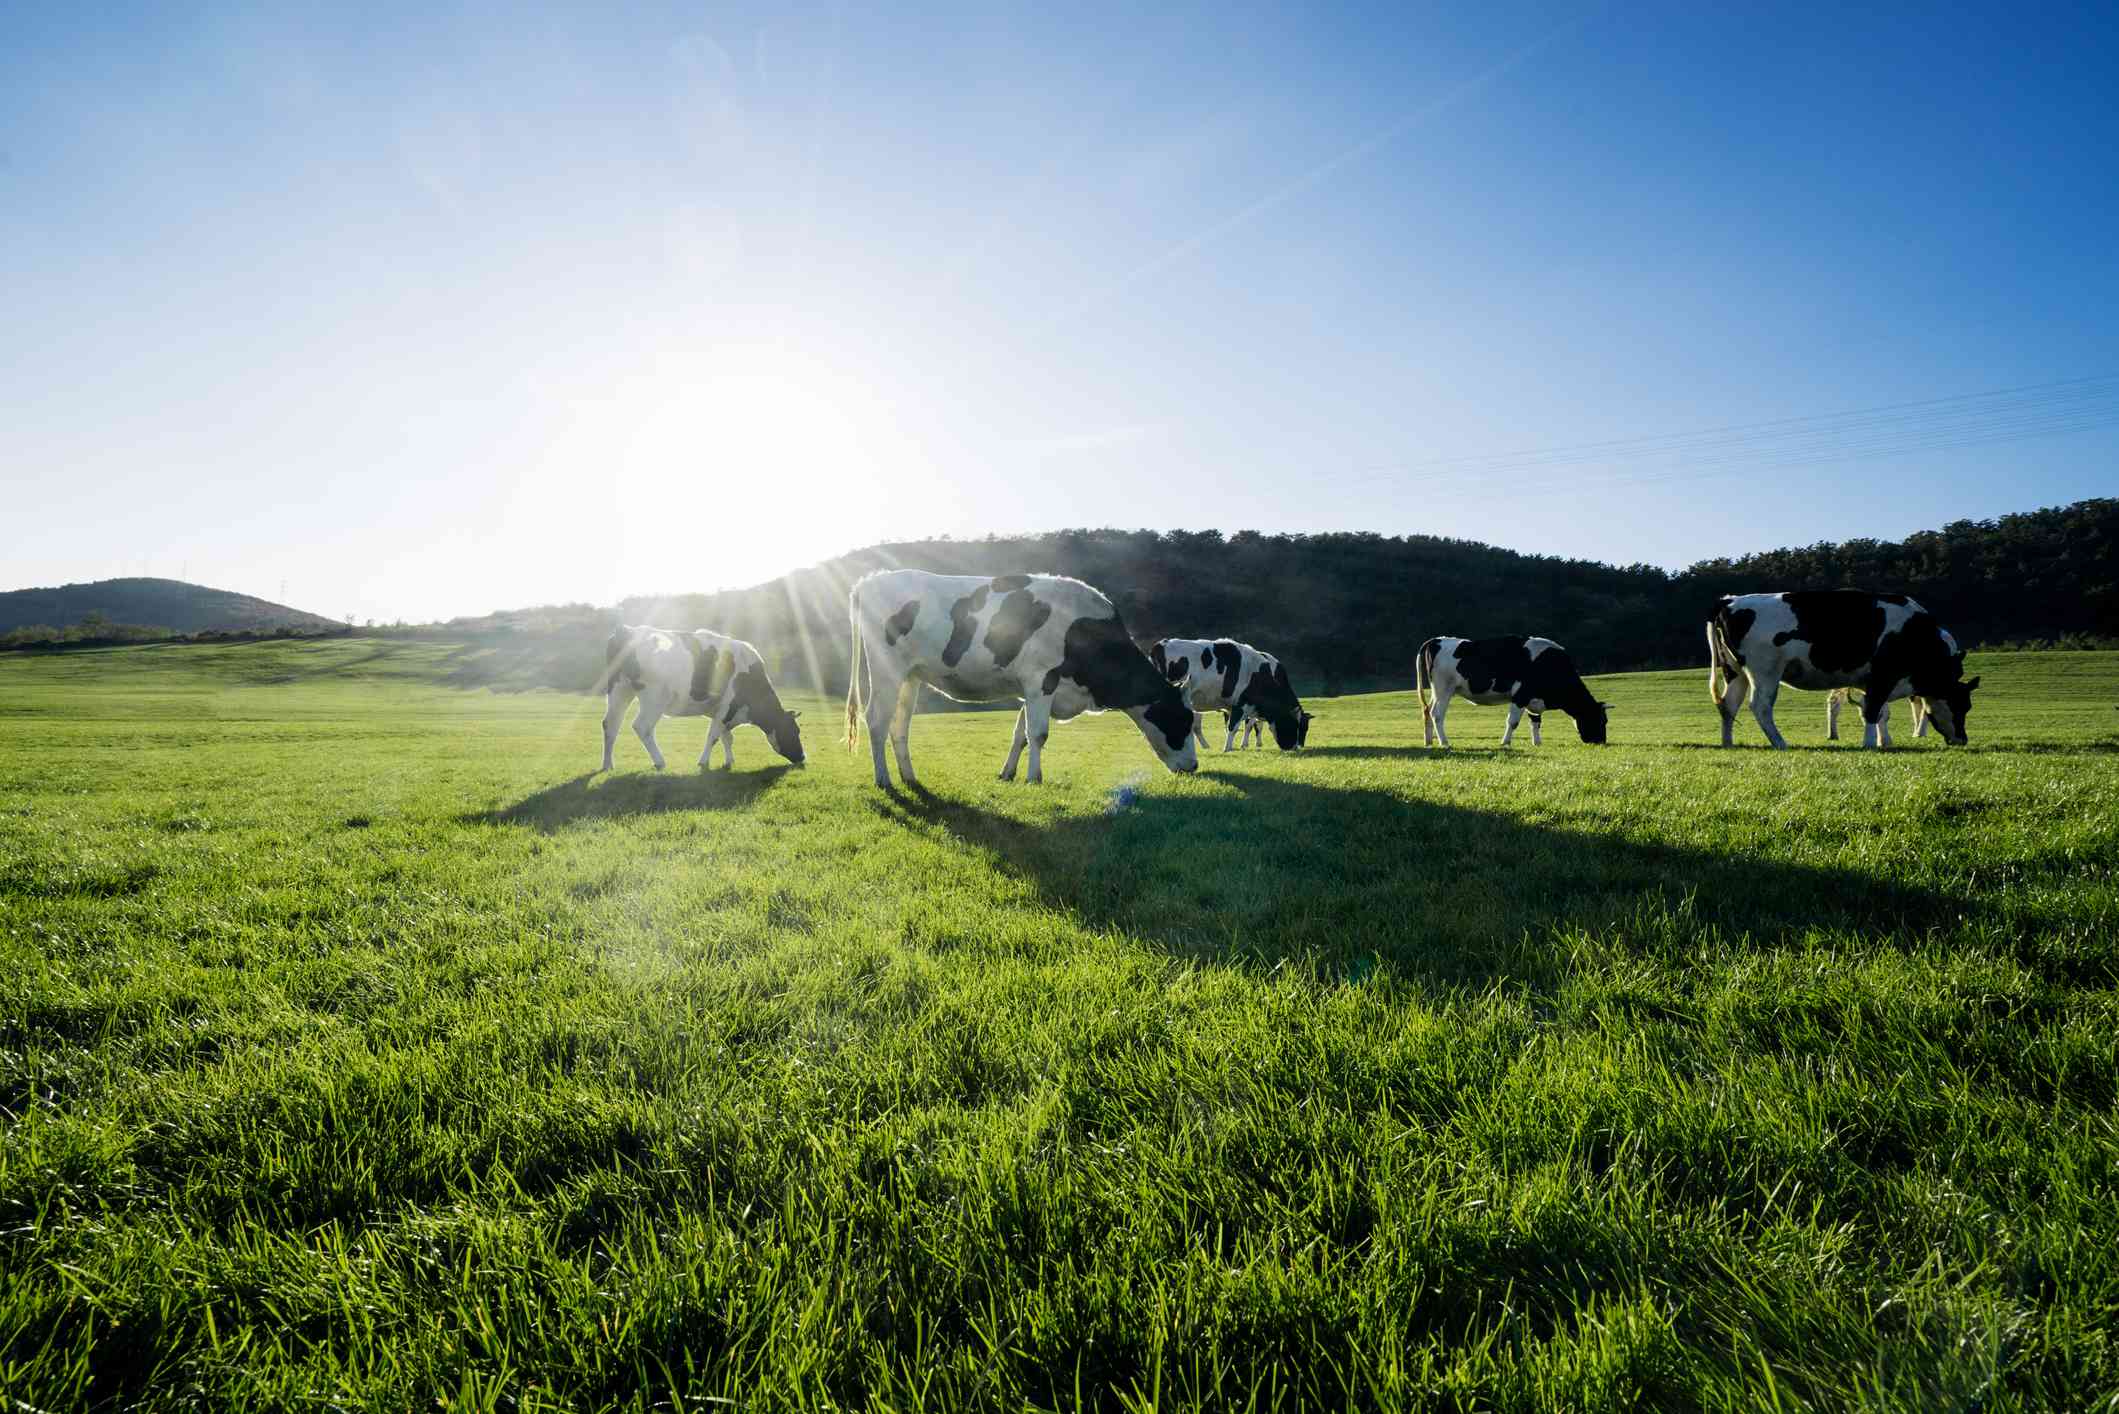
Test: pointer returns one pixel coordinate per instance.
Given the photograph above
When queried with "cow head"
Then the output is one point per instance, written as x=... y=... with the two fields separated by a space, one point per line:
x=1302 y=726
x=1166 y=720
x=1949 y=707
x=786 y=737
x=1594 y=722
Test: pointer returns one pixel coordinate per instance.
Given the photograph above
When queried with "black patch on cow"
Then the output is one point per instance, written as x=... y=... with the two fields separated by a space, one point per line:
x=1019 y=616
x=1229 y=658
x=1098 y=654
x=899 y=624
x=705 y=662
x=1170 y=715
x=1736 y=624
x=963 y=622
x=1009 y=583
x=618 y=649
x=1206 y=655
x=1841 y=626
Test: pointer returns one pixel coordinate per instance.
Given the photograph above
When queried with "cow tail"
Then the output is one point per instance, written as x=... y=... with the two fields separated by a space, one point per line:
x=1721 y=663
x=1424 y=672
x=854 y=704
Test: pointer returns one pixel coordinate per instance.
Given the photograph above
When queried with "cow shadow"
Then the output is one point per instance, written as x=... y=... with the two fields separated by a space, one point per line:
x=597 y=795
x=1278 y=871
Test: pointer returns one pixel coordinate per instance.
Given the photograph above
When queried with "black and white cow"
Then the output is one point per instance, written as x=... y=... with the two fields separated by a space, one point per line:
x=1219 y=673
x=1055 y=644
x=1839 y=696
x=700 y=673
x=1885 y=644
x=1531 y=675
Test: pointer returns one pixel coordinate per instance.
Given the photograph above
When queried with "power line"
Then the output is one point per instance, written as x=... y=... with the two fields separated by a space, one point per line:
x=1928 y=424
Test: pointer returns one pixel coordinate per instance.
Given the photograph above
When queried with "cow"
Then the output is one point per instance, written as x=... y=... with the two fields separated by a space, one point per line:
x=1885 y=644
x=1221 y=673
x=1840 y=695
x=1531 y=675
x=1054 y=644
x=692 y=674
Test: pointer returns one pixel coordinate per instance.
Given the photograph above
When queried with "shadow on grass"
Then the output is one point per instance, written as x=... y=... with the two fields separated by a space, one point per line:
x=1276 y=869
x=595 y=796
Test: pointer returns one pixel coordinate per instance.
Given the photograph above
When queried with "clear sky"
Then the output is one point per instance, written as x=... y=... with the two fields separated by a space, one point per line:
x=419 y=310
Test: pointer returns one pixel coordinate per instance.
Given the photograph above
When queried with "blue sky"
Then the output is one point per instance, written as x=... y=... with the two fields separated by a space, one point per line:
x=426 y=310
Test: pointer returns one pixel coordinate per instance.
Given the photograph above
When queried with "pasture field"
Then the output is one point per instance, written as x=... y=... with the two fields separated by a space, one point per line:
x=358 y=1049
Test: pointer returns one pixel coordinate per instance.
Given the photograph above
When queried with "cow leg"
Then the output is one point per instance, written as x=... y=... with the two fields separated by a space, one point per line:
x=651 y=706
x=1199 y=729
x=901 y=729
x=728 y=747
x=1515 y=715
x=1037 y=717
x=882 y=699
x=1015 y=746
x=1832 y=701
x=1230 y=743
x=614 y=704
x=1732 y=699
x=1763 y=693
x=1919 y=708
x=1876 y=719
x=1436 y=716
x=713 y=733
x=1537 y=729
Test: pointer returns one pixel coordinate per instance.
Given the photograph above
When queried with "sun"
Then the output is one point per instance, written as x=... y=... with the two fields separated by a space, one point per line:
x=742 y=467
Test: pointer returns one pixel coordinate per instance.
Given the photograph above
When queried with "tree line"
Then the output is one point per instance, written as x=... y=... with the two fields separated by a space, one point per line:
x=1348 y=610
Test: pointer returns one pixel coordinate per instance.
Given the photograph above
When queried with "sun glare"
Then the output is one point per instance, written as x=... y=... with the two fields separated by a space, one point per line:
x=759 y=465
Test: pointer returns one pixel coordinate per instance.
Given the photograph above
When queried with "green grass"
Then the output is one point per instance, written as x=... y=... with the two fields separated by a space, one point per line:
x=358 y=1050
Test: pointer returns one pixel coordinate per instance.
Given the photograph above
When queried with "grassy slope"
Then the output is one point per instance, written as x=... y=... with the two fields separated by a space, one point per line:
x=355 y=1047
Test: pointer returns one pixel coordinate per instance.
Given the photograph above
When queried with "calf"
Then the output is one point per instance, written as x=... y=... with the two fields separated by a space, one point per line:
x=1054 y=644
x=1530 y=674
x=1221 y=673
x=696 y=674
x=1885 y=644
x=1839 y=695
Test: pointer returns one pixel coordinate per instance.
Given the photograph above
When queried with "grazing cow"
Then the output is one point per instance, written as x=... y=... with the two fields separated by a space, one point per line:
x=1054 y=644
x=696 y=674
x=1885 y=644
x=1530 y=674
x=1839 y=695
x=1219 y=673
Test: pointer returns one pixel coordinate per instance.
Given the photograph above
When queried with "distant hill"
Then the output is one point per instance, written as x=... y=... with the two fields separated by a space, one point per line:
x=159 y=603
x=1348 y=611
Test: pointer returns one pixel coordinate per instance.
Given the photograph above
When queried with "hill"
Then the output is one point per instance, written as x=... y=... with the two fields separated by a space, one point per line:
x=168 y=604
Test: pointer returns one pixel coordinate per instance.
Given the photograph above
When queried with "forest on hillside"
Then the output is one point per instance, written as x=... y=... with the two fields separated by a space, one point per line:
x=1349 y=610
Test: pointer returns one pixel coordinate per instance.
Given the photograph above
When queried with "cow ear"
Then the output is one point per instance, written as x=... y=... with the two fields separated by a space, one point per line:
x=1606 y=706
x=1972 y=684
x=794 y=714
